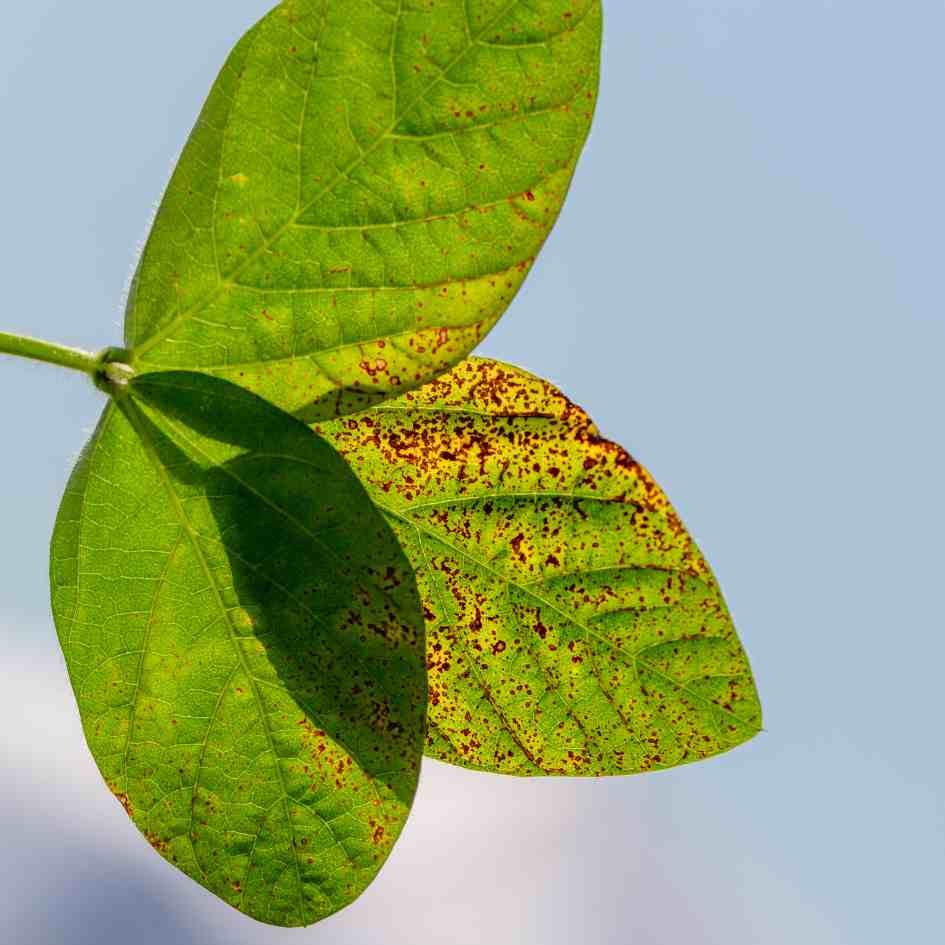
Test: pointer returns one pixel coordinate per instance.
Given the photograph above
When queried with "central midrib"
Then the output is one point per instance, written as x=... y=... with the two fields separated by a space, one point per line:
x=130 y=411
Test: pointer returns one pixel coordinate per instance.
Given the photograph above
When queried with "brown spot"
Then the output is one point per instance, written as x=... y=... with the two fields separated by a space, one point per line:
x=378 y=835
x=124 y=800
x=160 y=845
x=516 y=544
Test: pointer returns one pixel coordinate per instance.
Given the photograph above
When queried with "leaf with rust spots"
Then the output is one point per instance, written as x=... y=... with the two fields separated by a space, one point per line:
x=573 y=626
x=246 y=644
x=363 y=195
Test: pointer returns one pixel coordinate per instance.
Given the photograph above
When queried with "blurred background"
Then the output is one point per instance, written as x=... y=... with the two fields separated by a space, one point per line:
x=746 y=289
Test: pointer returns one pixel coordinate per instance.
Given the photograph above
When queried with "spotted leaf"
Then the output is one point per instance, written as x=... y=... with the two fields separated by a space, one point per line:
x=245 y=642
x=364 y=193
x=573 y=626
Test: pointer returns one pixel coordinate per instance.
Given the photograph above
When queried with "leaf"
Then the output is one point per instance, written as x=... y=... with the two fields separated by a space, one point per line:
x=573 y=626
x=364 y=193
x=245 y=642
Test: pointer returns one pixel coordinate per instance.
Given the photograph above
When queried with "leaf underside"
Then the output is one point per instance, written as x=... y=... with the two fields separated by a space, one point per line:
x=364 y=193
x=244 y=638
x=573 y=626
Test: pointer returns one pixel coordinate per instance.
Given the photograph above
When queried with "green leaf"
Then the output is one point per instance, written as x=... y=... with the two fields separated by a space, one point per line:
x=573 y=626
x=364 y=193
x=245 y=642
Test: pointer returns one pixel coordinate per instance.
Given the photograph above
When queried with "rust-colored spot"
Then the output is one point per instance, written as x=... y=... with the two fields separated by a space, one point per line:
x=124 y=800
x=162 y=846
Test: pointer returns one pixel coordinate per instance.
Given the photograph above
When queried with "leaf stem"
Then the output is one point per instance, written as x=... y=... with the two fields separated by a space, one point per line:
x=74 y=358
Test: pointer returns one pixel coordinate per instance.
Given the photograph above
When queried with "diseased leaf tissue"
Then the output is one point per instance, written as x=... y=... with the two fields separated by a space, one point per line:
x=573 y=627
x=268 y=623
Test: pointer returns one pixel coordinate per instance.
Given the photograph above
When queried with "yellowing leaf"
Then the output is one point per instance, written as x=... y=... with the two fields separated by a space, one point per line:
x=245 y=642
x=364 y=193
x=573 y=626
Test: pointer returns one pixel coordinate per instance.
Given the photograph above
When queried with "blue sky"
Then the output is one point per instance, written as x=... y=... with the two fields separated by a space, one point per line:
x=745 y=289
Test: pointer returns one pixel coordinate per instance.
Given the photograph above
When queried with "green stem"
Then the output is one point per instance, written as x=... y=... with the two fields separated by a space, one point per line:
x=73 y=358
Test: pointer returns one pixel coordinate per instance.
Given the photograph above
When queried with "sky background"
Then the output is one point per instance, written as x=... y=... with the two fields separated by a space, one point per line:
x=746 y=289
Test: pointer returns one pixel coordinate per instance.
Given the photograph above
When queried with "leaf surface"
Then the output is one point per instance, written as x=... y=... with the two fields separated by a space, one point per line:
x=244 y=638
x=364 y=193
x=573 y=626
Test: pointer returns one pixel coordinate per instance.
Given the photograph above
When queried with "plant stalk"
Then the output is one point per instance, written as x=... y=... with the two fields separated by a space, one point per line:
x=73 y=358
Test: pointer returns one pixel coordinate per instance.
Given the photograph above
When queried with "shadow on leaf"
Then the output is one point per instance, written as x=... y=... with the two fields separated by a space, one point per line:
x=340 y=403
x=323 y=600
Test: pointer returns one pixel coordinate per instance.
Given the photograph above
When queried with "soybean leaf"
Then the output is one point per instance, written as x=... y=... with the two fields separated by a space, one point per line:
x=244 y=638
x=364 y=193
x=573 y=626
